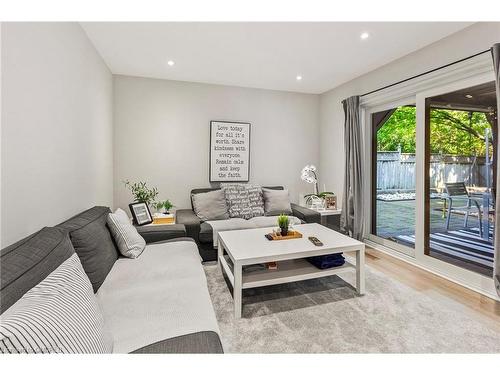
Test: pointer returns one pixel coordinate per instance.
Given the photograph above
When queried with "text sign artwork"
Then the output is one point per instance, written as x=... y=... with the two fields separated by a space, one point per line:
x=229 y=151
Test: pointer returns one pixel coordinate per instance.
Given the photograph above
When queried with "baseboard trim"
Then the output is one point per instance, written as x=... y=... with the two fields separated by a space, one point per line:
x=434 y=271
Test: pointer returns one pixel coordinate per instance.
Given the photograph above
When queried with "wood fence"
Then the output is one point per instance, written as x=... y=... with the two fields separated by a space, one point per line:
x=396 y=170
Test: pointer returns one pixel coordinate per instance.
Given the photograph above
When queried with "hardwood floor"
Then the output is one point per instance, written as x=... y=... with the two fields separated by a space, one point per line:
x=486 y=309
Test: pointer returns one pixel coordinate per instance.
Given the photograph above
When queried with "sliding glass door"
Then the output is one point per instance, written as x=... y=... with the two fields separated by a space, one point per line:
x=460 y=182
x=431 y=186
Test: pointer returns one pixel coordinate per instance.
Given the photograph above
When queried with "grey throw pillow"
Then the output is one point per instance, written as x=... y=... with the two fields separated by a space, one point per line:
x=276 y=202
x=210 y=206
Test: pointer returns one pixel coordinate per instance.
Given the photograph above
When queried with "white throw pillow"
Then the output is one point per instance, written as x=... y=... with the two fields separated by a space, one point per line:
x=130 y=243
x=59 y=315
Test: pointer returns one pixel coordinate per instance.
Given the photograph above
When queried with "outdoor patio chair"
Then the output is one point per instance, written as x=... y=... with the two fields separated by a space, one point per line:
x=458 y=189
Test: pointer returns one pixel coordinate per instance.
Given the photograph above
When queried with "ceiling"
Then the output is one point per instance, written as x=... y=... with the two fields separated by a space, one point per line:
x=481 y=98
x=260 y=55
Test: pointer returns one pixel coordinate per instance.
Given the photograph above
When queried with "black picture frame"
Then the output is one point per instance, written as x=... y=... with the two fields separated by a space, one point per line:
x=210 y=151
x=138 y=210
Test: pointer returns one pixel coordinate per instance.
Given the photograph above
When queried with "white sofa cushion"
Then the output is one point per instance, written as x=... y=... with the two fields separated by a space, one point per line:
x=271 y=221
x=160 y=295
x=130 y=243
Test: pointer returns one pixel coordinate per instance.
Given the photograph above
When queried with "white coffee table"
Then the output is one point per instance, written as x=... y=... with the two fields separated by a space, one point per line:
x=249 y=246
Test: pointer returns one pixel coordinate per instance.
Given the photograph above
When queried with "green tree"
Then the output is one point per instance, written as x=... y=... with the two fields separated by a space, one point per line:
x=398 y=130
x=451 y=132
x=459 y=132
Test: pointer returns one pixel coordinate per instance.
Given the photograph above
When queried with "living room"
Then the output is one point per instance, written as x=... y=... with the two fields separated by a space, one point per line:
x=212 y=186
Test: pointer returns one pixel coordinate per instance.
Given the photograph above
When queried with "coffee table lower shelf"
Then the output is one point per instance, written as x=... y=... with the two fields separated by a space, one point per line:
x=288 y=271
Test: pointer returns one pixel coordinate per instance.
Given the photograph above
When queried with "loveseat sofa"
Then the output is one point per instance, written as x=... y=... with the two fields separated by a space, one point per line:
x=157 y=303
x=202 y=232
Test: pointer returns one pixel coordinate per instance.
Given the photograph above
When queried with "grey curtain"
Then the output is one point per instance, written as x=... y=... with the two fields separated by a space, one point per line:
x=495 y=52
x=352 y=203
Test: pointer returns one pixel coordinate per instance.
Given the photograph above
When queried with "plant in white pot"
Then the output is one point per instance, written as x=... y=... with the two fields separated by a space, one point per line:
x=167 y=205
x=163 y=207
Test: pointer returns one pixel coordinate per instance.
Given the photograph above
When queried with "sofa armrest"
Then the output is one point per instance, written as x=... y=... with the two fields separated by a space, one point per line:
x=172 y=240
x=157 y=233
x=198 y=342
x=192 y=222
x=305 y=214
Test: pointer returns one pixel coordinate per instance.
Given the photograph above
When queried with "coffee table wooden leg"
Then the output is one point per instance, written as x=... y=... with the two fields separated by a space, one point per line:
x=360 y=271
x=237 y=290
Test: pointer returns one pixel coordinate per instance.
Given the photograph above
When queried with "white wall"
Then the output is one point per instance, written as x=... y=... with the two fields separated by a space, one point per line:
x=469 y=41
x=162 y=134
x=56 y=142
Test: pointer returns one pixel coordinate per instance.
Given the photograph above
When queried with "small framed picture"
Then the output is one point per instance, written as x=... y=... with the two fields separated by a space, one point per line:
x=331 y=202
x=140 y=213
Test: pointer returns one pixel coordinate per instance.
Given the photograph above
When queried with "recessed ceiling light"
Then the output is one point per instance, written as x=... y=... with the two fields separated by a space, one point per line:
x=364 y=36
x=170 y=63
x=469 y=96
x=299 y=78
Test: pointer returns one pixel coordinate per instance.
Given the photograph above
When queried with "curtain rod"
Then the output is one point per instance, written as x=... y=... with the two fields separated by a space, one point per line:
x=427 y=72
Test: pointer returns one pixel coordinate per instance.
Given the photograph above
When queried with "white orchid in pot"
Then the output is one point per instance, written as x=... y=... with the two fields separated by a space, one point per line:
x=310 y=176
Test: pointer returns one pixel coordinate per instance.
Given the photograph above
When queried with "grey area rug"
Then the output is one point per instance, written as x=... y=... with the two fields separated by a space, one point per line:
x=326 y=316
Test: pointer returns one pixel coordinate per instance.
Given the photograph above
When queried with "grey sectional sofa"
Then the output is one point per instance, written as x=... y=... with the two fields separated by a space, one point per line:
x=157 y=303
x=202 y=232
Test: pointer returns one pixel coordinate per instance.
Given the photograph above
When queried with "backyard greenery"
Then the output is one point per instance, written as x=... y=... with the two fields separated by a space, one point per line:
x=452 y=132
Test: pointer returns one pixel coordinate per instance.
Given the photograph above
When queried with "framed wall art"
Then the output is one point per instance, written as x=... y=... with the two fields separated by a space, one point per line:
x=229 y=151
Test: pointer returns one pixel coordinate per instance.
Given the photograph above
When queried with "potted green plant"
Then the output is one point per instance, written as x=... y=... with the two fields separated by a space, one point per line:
x=141 y=192
x=164 y=206
x=283 y=224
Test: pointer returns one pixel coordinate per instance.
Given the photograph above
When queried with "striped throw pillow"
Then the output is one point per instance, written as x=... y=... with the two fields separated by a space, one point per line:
x=58 y=315
x=130 y=243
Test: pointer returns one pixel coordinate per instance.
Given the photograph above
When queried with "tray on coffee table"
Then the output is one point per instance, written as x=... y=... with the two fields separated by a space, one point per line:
x=290 y=235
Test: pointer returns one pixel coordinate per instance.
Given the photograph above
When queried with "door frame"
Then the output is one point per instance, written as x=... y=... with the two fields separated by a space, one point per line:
x=465 y=74
x=370 y=169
